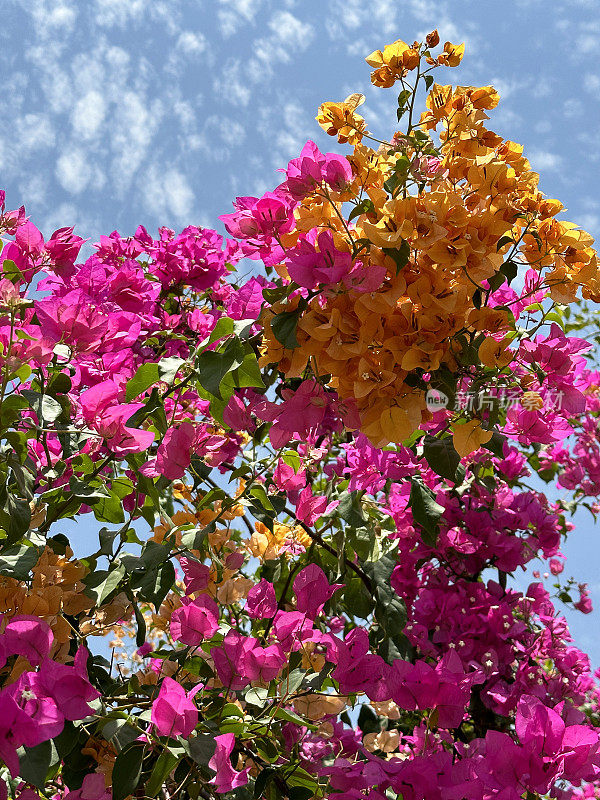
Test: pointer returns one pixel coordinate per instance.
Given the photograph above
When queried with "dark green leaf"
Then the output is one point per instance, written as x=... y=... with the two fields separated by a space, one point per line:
x=503 y=240
x=101 y=583
x=165 y=764
x=212 y=367
x=262 y=781
x=168 y=368
x=284 y=327
x=248 y=373
x=390 y=610
x=441 y=456
x=88 y=493
x=145 y=376
x=19 y=561
x=496 y=444
x=157 y=583
x=15 y=518
x=357 y=600
x=400 y=255
x=365 y=206
x=509 y=269
x=425 y=510
x=35 y=763
x=350 y=509
x=202 y=748
x=46 y=408
x=60 y=383
x=127 y=770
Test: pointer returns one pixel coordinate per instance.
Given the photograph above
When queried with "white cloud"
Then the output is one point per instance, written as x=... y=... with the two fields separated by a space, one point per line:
x=88 y=114
x=544 y=160
x=573 y=108
x=34 y=132
x=231 y=85
x=73 y=171
x=591 y=83
x=589 y=222
x=118 y=12
x=507 y=87
x=52 y=17
x=220 y=136
x=235 y=13
x=286 y=127
x=132 y=131
x=191 y=43
x=289 y=35
x=85 y=224
x=167 y=193
x=34 y=189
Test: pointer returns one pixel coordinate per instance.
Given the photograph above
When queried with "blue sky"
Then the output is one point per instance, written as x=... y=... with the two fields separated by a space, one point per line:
x=160 y=112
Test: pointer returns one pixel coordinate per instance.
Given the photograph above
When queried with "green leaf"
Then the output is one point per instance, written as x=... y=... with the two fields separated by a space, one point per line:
x=168 y=368
x=403 y=98
x=145 y=376
x=10 y=409
x=109 y=509
x=127 y=770
x=258 y=491
x=201 y=748
x=46 y=408
x=292 y=459
x=35 y=763
x=429 y=81
x=365 y=206
x=23 y=372
x=357 y=599
x=496 y=444
x=101 y=583
x=165 y=764
x=441 y=456
x=300 y=777
x=399 y=254
x=291 y=716
x=504 y=240
x=223 y=327
x=509 y=269
x=350 y=509
x=390 y=610
x=248 y=373
x=15 y=518
x=425 y=510
x=257 y=696
x=212 y=367
x=157 y=583
x=19 y=561
x=284 y=327
x=12 y=272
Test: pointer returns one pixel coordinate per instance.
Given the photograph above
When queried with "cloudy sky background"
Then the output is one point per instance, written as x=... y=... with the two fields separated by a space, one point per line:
x=160 y=112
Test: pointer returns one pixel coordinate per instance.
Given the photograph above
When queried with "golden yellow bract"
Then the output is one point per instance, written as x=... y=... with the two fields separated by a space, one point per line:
x=479 y=207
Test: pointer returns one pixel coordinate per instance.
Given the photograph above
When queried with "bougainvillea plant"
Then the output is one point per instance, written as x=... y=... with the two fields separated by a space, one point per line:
x=311 y=488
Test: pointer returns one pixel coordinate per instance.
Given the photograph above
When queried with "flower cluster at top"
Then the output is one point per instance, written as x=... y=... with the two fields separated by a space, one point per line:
x=309 y=537
x=399 y=259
